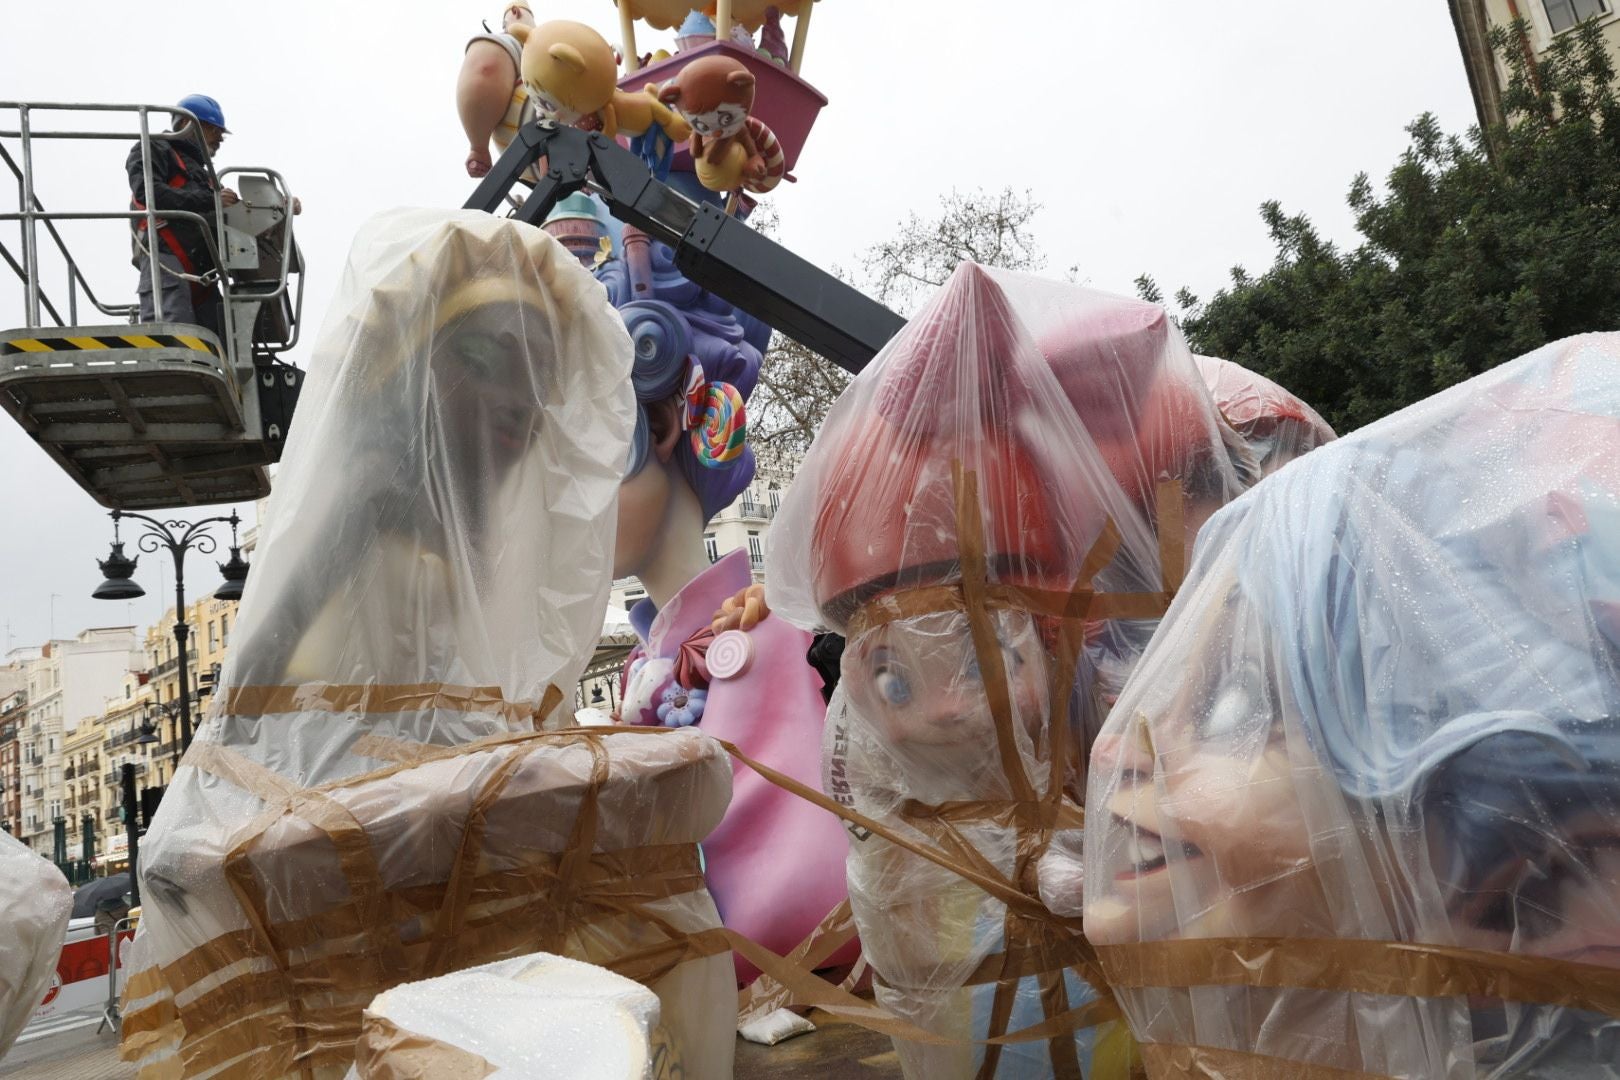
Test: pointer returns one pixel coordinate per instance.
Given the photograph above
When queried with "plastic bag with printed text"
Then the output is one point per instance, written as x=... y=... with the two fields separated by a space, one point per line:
x=1358 y=809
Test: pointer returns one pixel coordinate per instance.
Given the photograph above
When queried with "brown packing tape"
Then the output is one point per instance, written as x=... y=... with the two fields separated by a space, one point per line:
x=1170 y=1062
x=1391 y=968
x=380 y=698
x=811 y=990
x=386 y=1051
x=215 y=1024
x=765 y=995
x=1172 y=505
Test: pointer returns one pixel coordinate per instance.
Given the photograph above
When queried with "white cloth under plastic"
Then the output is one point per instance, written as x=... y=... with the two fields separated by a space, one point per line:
x=1385 y=707
x=539 y=1017
x=1030 y=420
x=35 y=901
x=435 y=559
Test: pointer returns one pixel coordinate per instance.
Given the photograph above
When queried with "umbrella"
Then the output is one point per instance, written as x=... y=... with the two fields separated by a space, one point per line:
x=86 y=898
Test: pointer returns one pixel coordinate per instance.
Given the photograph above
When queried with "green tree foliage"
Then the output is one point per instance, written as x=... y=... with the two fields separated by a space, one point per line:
x=1479 y=250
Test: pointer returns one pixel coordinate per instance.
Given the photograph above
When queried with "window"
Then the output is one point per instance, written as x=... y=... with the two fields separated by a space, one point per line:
x=776 y=500
x=756 y=551
x=225 y=629
x=712 y=546
x=1563 y=14
x=213 y=636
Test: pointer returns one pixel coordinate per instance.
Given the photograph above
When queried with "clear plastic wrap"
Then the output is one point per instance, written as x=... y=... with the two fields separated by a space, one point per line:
x=1015 y=446
x=1277 y=426
x=1358 y=807
x=34 y=905
x=431 y=573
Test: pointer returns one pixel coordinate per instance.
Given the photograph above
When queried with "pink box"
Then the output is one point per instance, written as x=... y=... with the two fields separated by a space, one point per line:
x=786 y=103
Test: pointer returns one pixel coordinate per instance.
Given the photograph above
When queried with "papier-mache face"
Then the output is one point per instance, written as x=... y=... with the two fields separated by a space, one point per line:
x=1386 y=708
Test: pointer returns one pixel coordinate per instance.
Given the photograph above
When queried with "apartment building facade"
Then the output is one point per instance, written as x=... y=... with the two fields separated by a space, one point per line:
x=67 y=685
x=1545 y=20
x=211 y=622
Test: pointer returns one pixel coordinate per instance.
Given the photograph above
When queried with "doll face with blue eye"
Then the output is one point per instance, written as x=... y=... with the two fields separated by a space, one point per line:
x=918 y=680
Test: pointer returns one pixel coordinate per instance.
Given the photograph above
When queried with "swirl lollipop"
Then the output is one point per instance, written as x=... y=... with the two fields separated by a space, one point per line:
x=719 y=437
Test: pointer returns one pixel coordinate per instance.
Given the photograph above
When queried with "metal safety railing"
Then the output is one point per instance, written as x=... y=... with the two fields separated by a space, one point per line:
x=32 y=216
x=111 y=1017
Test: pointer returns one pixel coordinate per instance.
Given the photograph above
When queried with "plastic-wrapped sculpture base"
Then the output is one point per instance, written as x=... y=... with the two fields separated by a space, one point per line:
x=577 y=842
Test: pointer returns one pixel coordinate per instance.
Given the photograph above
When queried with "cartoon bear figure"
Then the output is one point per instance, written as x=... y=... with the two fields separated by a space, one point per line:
x=572 y=77
x=731 y=150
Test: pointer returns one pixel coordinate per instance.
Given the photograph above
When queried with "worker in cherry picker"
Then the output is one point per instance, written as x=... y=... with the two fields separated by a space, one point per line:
x=181 y=180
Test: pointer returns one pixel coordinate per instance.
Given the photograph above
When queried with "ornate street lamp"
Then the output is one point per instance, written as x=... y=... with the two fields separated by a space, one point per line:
x=179 y=537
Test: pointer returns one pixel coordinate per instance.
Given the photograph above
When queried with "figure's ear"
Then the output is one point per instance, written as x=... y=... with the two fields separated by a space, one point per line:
x=670 y=94
x=568 y=56
x=664 y=426
x=742 y=80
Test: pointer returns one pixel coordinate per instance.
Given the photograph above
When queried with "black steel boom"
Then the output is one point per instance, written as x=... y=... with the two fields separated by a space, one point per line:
x=711 y=248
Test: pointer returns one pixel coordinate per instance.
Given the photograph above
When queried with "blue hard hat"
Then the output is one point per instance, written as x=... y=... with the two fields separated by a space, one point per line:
x=206 y=109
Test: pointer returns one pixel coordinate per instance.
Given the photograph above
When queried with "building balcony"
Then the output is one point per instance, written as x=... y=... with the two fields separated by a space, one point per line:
x=117 y=774
x=172 y=663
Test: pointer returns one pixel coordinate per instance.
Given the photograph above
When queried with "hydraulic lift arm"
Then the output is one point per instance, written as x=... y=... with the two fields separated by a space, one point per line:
x=711 y=248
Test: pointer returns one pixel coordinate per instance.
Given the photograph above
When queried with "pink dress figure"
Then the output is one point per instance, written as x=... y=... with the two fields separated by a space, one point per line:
x=775 y=865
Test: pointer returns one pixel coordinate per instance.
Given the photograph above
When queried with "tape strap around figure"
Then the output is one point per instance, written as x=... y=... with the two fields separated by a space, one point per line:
x=765 y=995
x=1386 y=968
x=218 y=1037
x=573 y=889
x=1081 y=603
x=1168 y=1061
x=251 y=701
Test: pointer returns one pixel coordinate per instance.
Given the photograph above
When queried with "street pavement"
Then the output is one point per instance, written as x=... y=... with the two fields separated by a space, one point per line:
x=834 y=1051
x=67 y=1053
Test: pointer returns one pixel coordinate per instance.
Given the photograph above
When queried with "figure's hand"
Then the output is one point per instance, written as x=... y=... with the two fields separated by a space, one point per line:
x=478 y=163
x=754 y=168
x=227 y=197
x=744 y=611
x=297 y=206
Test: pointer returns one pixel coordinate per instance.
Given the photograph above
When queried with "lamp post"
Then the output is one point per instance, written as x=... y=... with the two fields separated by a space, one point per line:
x=179 y=537
x=171 y=712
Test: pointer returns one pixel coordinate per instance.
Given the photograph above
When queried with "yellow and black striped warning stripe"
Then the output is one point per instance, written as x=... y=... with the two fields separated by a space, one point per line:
x=108 y=341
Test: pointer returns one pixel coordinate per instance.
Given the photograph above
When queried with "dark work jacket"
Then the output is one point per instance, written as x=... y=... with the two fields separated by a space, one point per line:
x=180 y=181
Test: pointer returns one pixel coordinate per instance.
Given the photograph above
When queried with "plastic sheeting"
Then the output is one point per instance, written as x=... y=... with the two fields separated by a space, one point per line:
x=432 y=570
x=1384 y=709
x=34 y=904
x=538 y=1017
x=1277 y=426
x=941 y=522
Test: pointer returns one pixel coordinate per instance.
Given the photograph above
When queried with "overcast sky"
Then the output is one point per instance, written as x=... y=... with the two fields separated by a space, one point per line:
x=1151 y=131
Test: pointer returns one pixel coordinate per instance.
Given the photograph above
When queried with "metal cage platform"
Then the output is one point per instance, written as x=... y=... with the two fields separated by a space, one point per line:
x=141 y=416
